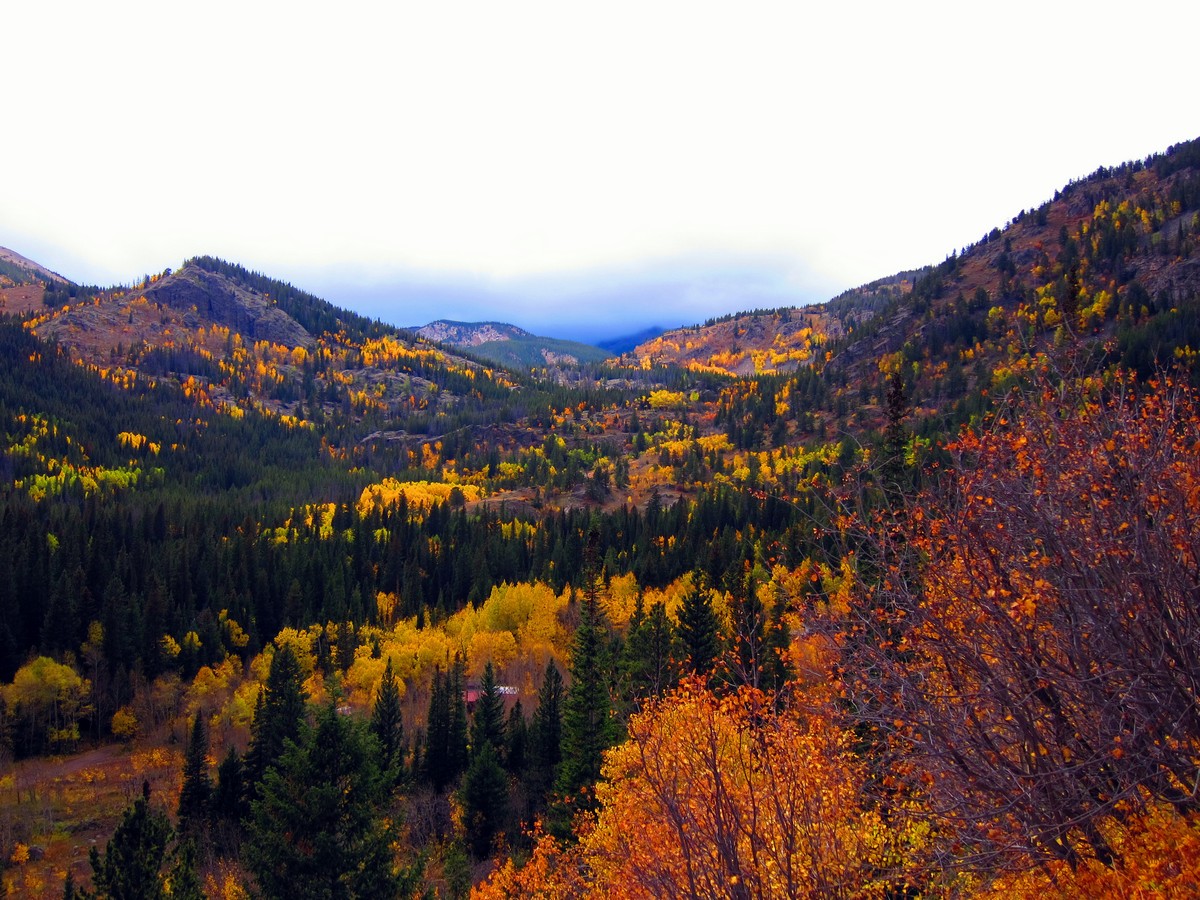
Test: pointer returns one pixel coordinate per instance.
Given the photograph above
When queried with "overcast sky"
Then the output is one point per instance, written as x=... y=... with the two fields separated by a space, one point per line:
x=577 y=169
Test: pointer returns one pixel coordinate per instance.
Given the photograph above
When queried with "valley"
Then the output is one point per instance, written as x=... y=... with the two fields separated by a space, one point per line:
x=901 y=584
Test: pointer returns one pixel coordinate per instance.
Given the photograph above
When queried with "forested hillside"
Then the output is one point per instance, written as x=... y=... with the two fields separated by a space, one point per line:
x=889 y=597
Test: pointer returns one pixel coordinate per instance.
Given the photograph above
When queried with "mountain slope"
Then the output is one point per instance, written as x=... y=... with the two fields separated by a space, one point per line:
x=509 y=345
x=243 y=341
x=1110 y=264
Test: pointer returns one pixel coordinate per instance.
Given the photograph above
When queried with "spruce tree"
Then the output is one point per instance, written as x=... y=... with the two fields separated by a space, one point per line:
x=456 y=749
x=387 y=723
x=487 y=725
x=484 y=797
x=587 y=725
x=745 y=662
x=437 y=733
x=227 y=797
x=317 y=829
x=516 y=747
x=651 y=655
x=699 y=630
x=197 y=785
x=546 y=732
x=279 y=717
x=132 y=867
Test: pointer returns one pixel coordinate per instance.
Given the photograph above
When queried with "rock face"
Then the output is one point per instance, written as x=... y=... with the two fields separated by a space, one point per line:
x=221 y=300
x=470 y=334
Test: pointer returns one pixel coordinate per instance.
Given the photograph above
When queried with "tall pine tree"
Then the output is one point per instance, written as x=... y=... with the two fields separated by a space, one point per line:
x=487 y=725
x=545 y=734
x=278 y=718
x=699 y=629
x=196 y=792
x=387 y=724
x=588 y=725
x=317 y=829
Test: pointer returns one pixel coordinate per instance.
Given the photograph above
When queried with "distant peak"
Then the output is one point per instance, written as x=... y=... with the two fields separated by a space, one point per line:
x=34 y=269
x=470 y=334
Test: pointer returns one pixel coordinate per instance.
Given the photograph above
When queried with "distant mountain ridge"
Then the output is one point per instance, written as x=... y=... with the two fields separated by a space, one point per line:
x=509 y=345
x=470 y=334
x=1111 y=257
x=18 y=269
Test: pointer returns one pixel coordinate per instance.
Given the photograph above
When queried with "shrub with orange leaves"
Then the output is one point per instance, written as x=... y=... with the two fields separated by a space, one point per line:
x=736 y=797
x=717 y=796
x=1039 y=652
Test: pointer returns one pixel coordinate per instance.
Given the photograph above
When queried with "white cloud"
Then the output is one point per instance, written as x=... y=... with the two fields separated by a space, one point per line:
x=523 y=142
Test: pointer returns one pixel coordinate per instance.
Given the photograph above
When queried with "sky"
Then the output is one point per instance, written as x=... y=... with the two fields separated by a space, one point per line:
x=582 y=170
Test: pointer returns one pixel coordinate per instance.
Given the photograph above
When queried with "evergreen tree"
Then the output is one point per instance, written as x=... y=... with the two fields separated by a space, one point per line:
x=437 y=733
x=132 y=865
x=487 y=726
x=745 y=662
x=456 y=749
x=651 y=654
x=387 y=724
x=546 y=732
x=229 y=796
x=279 y=716
x=185 y=881
x=587 y=724
x=699 y=630
x=446 y=731
x=776 y=642
x=517 y=743
x=317 y=829
x=197 y=785
x=484 y=798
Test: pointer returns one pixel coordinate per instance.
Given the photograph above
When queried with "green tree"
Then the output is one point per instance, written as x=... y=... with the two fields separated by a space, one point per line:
x=446 y=728
x=699 y=630
x=546 y=733
x=516 y=747
x=132 y=865
x=484 y=796
x=456 y=749
x=588 y=728
x=651 y=654
x=196 y=793
x=387 y=724
x=317 y=829
x=228 y=800
x=437 y=733
x=278 y=717
x=487 y=725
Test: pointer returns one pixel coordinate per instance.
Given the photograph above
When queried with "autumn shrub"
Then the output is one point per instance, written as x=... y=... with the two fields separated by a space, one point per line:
x=722 y=796
x=1032 y=639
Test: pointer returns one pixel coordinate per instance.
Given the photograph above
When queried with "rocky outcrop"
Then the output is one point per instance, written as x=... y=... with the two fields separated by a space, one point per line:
x=220 y=300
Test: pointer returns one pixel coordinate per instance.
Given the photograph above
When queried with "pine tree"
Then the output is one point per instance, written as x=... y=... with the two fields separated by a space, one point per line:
x=132 y=865
x=546 y=732
x=587 y=725
x=317 y=829
x=777 y=640
x=516 y=747
x=487 y=726
x=278 y=717
x=651 y=655
x=456 y=748
x=387 y=724
x=484 y=798
x=437 y=733
x=229 y=795
x=745 y=662
x=197 y=785
x=699 y=630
